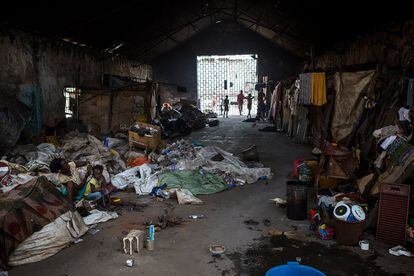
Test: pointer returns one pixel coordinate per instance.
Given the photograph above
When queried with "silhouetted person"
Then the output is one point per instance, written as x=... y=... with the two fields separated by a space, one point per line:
x=261 y=108
x=249 y=99
x=240 y=102
x=226 y=107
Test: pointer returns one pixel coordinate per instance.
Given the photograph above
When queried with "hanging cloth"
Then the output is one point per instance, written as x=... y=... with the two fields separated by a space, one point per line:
x=276 y=99
x=305 y=88
x=318 y=89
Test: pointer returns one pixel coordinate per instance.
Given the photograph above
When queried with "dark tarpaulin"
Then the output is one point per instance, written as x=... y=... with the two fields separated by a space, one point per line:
x=14 y=116
x=25 y=210
x=351 y=87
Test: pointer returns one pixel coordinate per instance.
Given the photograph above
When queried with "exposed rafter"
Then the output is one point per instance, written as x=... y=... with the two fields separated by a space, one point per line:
x=150 y=28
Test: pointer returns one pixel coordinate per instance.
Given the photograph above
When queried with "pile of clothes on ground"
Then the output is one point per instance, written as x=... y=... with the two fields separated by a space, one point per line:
x=192 y=166
x=181 y=119
x=38 y=220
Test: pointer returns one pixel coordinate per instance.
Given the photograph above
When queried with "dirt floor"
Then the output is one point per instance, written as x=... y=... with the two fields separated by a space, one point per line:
x=234 y=218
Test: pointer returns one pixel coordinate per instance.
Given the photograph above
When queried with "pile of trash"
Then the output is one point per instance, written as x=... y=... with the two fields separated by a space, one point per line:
x=83 y=147
x=182 y=170
x=181 y=119
x=25 y=162
x=197 y=168
x=144 y=131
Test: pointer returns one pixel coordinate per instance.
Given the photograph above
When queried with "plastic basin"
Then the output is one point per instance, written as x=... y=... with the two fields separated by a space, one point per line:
x=293 y=269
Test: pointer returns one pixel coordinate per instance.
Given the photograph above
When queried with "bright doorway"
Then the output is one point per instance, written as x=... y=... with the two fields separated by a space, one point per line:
x=218 y=76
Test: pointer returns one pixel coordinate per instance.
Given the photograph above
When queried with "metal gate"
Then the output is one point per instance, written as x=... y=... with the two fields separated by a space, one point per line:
x=218 y=76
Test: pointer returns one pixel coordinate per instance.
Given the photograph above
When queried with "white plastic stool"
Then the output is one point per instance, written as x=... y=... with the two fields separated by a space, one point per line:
x=134 y=236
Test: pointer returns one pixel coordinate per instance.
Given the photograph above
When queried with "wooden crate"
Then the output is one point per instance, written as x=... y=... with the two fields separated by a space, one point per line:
x=152 y=142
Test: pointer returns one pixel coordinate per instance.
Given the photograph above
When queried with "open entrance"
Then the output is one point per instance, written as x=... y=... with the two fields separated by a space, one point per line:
x=71 y=95
x=218 y=76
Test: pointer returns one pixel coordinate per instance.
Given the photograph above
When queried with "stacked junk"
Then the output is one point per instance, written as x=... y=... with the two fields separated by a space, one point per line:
x=38 y=220
x=359 y=178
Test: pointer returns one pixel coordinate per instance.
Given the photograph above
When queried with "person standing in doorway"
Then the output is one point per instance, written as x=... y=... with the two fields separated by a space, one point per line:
x=261 y=108
x=240 y=102
x=213 y=104
x=249 y=104
x=226 y=107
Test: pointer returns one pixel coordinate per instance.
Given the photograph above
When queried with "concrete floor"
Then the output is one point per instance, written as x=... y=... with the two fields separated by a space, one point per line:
x=183 y=249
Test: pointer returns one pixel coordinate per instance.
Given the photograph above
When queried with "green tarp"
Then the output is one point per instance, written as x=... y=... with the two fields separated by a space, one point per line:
x=197 y=183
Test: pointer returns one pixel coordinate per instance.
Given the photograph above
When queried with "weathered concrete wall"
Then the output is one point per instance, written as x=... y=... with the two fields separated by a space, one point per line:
x=27 y=60
x=169 y=94
x=179 y=66
x=94 y=109
x=389 y=49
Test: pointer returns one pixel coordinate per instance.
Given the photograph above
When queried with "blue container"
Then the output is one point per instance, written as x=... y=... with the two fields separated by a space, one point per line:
x=293 y=269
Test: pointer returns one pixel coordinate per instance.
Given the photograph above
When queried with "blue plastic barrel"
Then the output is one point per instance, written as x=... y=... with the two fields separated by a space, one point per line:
x=293 y=269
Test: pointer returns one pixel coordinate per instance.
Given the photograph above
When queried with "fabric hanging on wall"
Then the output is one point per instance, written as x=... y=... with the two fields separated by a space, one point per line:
x=271 y=105
x=349 y=101
x=303 y=123
x=410 y=93
x=305 y=88
x=318 y=89
x=32 y=96
x=285 y=109
x=276 y=100
x=293 y=98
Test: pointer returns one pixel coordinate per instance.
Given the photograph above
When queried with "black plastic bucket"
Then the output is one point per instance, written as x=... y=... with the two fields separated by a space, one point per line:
x=297 y=200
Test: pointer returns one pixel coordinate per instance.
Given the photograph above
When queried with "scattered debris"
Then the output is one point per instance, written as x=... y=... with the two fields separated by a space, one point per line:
x=217 y=250
x=129 y=262
x=93 y=231
x=275 y=232
x=400 y=251
x=279 y=202
x=266 y=222
x=251 y=154
x=251 y=222
x=78 y=240
x=184 y=196
x=97 y=216
x=199 y=216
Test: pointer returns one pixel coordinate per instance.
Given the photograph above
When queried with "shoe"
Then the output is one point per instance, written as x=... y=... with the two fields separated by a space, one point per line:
x=399 y=251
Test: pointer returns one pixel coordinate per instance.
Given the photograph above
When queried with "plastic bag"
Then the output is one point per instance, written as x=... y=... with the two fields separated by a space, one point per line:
x=97 y=216
x=184 y=196
x=52 y=238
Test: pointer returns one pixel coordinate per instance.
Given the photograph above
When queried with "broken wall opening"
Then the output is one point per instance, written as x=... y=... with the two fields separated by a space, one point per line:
x=218 y=76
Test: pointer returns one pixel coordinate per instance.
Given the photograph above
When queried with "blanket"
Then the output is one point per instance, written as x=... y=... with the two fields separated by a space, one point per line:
x=25 y=210
x=198 y=183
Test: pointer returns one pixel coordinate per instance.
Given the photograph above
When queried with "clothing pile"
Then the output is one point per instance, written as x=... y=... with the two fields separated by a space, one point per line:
x=191 y=166
x=25 y=210
x=144 y=131
x=182 y=119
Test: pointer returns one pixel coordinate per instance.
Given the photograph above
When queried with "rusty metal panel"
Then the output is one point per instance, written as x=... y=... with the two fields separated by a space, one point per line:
x=393 y=213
